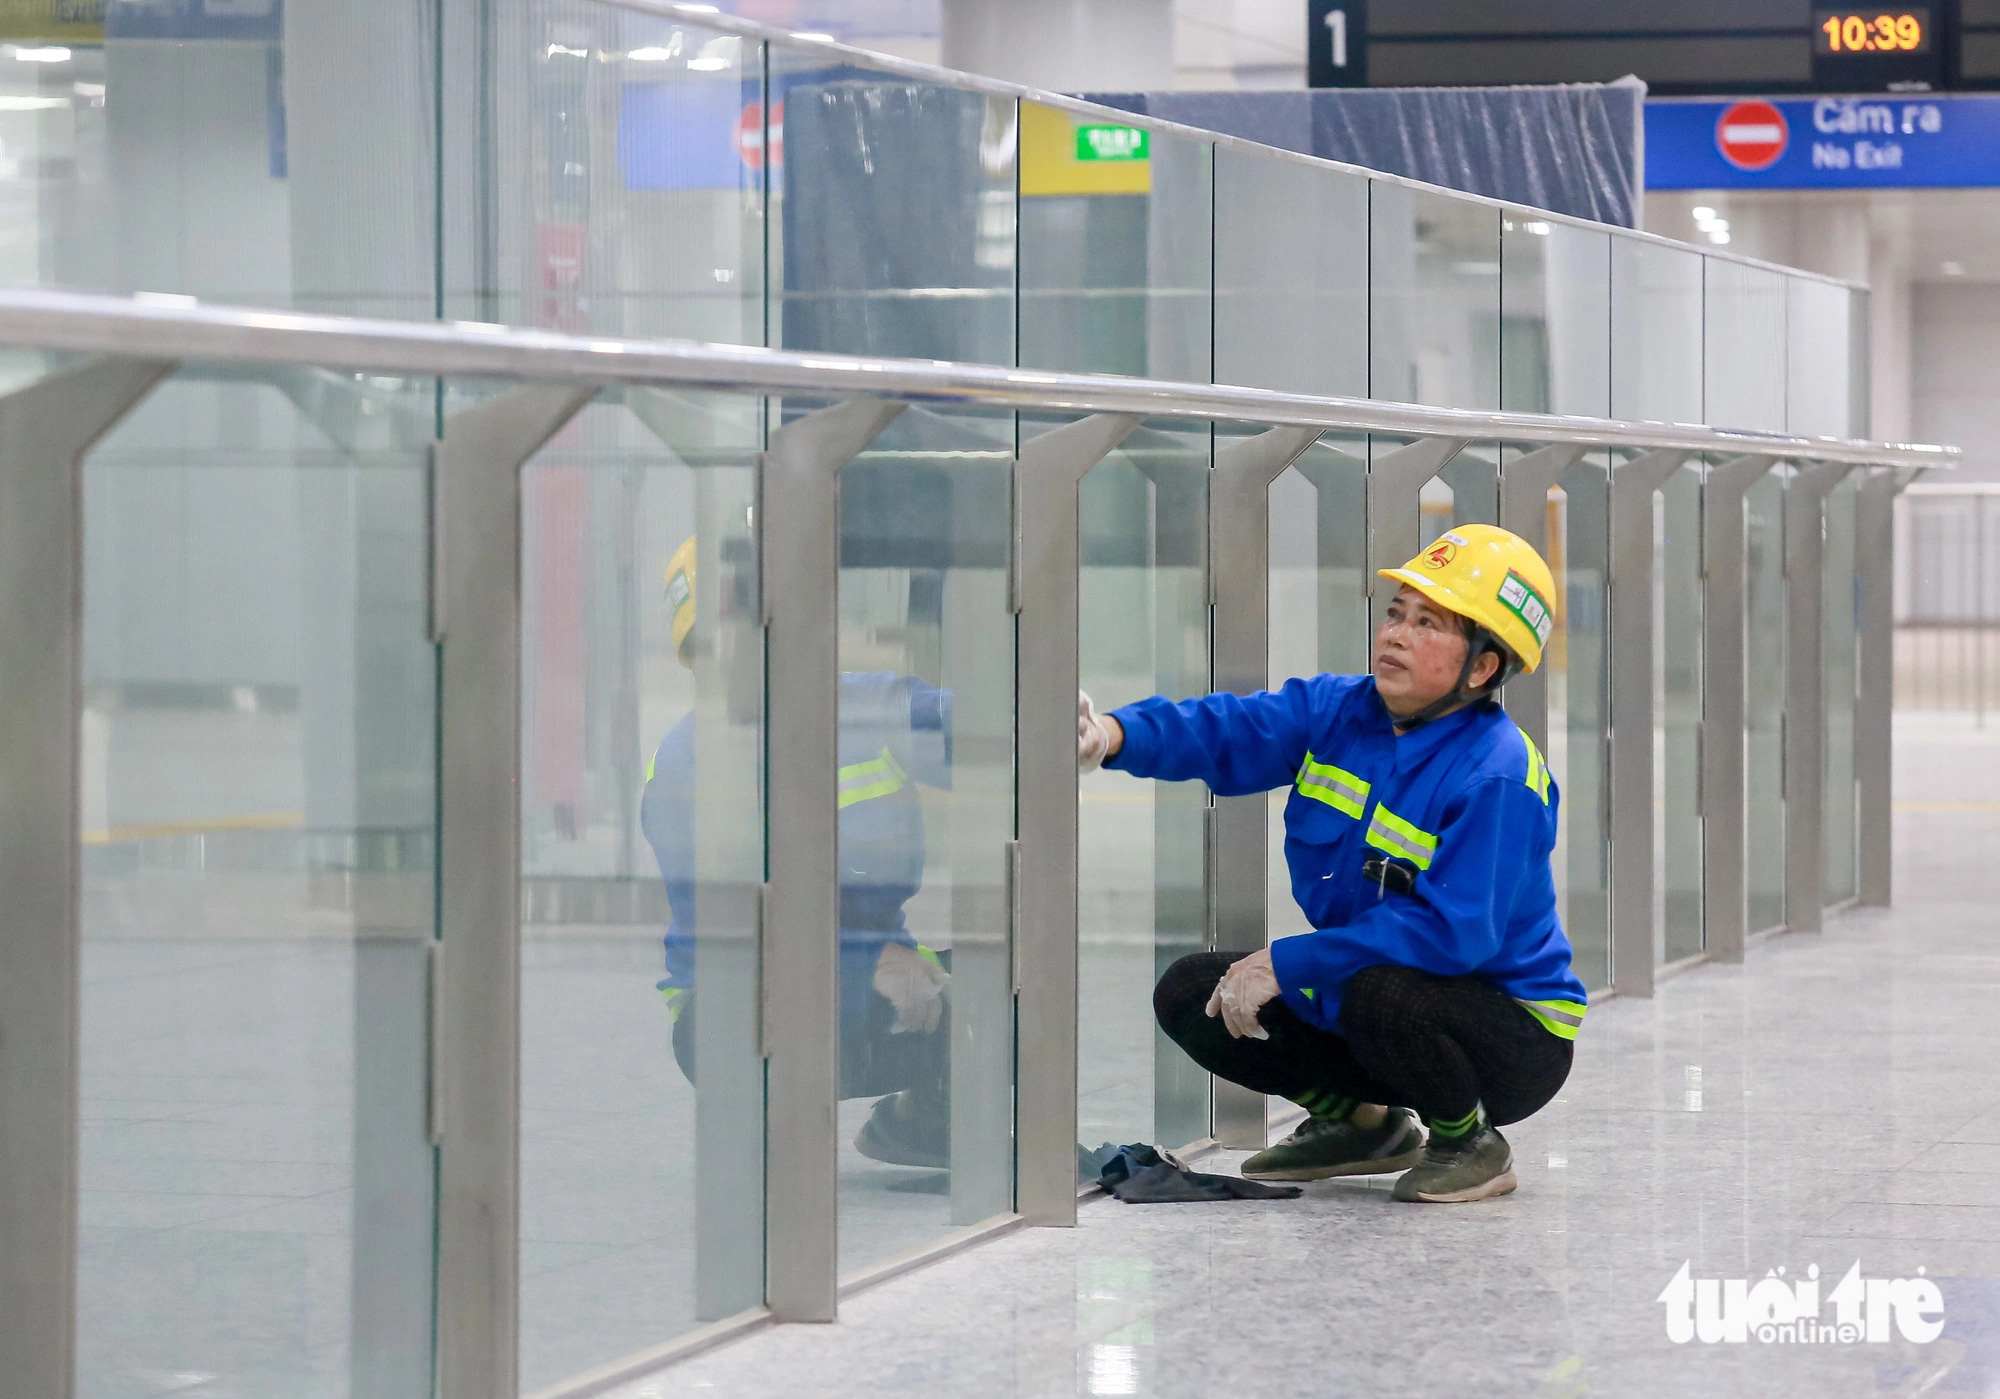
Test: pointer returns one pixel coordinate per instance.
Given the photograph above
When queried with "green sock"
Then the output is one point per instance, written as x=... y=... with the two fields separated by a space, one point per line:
x=1459 y=1126
x=1327 y=1106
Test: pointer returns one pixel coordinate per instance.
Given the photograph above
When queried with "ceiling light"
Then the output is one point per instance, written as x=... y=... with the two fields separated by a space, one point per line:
x=1702 y=213
x=701 y=9
x=650 y=55
x=11 y=103
x=815 y=38
x=47 y=53
x=565 y=50
x=1537 y=227
x=1721 y=235
x=1953 y=269
x=708 y=65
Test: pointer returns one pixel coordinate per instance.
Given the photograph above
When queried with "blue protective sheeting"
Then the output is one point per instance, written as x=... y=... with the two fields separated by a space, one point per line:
x=1572 y=149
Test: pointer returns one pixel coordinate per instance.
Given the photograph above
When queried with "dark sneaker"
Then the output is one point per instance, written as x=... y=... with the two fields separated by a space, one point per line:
x=1476 y=1167
x=903 y=1132
x=1325 y=1147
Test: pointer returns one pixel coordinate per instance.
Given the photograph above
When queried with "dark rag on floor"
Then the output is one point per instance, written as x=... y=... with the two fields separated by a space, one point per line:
x=1140 y=1175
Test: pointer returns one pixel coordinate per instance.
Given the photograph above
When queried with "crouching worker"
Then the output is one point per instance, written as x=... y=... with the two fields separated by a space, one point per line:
x=1437 y=985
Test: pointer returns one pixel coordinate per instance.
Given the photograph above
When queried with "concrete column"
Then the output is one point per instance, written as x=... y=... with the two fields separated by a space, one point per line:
x=1064 y=45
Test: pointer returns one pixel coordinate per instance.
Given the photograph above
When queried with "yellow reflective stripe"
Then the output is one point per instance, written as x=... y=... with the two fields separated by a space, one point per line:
x=1560 y=1018
x=1538 y=770
x=649 y=766
x=1337 y=787
x=1392 y=833
x=878 y=777
x=676 y=998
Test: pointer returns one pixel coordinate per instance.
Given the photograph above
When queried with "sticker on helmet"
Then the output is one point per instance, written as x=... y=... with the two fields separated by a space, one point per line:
x=1527 y=604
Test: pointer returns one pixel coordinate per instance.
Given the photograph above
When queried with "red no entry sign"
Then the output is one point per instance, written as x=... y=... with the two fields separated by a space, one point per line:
x=1751 y=135
x=750 y=135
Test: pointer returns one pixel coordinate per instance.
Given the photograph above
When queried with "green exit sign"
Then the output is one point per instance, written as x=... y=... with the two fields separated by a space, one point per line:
x=1110 y=143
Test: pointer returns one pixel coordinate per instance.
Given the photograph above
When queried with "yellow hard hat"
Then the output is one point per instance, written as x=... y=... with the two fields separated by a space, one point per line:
x=1492 y=576
x=680 y=595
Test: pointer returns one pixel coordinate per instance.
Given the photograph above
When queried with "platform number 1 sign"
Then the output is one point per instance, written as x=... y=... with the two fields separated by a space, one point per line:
x=1337 y=43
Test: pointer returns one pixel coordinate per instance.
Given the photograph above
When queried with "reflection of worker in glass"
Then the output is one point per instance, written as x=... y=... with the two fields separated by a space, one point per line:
x=895 y=732
x=1418 y=833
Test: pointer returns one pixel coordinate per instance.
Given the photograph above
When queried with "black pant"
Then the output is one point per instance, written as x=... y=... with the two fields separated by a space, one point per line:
x=1438 y=1044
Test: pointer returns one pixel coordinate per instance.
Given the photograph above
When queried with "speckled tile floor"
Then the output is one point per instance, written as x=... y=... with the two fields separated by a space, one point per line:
x=1832 y=1101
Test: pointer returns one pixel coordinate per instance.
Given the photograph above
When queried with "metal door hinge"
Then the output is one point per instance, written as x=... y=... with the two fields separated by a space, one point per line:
x=1014 y=540
x=433 y=1094
x=434 y=581
x=1011 y=876
x=762 y=916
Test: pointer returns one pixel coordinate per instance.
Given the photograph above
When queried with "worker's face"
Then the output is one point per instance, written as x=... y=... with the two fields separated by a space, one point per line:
x=1418 y=650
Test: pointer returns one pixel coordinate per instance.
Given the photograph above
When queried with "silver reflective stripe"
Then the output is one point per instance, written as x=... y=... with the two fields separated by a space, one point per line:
x=1547 y=1009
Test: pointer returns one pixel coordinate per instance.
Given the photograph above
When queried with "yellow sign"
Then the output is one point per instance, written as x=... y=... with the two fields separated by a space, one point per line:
x=73 y=21
x=1049 y=164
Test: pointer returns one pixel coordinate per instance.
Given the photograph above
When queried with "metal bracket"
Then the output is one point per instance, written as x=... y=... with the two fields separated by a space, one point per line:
x=1722 y=718
x=1395 y=488
x=1525 y=483
x=800 y=526
x=1629 y=641
x=45 y=430
x=1050 y=470
x=479 y=862
x=1805 y=692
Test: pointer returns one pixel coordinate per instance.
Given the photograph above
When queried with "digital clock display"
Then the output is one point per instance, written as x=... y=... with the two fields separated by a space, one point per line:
x=1843 y=32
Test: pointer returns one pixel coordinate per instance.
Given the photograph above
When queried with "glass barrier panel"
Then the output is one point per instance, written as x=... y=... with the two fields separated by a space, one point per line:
x=1291 y=275
x=1840 y=616
x=1318 y=607
x=1819 y=358
x=1142 y=897
x=1656 y=332
x=1743 y=346
x=1677 y=630
x=1115 y=247
x=642 y=1093
x=1764 y=700
x=1555 y=316
x=258 y=837
x=1434 y=303
x=892 y=207
x=615 y=165
x=1579 y=711
x=926 y=813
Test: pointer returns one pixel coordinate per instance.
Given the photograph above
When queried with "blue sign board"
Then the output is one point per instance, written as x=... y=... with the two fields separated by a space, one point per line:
x=1895 y=141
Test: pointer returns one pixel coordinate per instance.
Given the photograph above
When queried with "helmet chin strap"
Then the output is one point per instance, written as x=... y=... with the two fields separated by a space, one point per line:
x=1460 y=693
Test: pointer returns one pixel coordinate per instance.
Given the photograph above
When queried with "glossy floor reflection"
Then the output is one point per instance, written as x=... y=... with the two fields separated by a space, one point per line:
x=1831 y=1101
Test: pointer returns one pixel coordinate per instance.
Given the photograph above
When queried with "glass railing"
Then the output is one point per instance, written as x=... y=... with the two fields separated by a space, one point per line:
x=261 y=723
x=638 y=851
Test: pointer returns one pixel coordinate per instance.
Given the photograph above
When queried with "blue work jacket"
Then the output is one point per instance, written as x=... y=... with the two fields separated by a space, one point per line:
x=1466 y=803
x=895 y=732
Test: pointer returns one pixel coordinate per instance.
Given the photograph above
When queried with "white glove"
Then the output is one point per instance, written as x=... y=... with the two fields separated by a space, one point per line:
x=1248 y=985
x=914 y=985
x=1093 y=740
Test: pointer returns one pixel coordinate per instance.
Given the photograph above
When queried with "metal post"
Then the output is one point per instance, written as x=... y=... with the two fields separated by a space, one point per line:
x=1240 y=574
x=45 y=429
x=1524 y=508
x=1805 y=692
x=476 y=619
x=799 y=549
x=1722 y=703
x=1046 y=481
x=1631 y=649
x=1395 y=523
x=1875 y=562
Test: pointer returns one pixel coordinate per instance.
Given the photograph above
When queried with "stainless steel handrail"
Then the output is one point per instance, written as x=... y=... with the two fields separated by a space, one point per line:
x=706 y=17
x=179 y=328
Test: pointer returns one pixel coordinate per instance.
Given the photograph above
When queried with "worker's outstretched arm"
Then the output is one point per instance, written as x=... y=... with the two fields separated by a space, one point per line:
x=1494 y=839
x=1237 y=744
